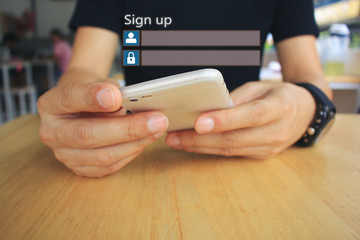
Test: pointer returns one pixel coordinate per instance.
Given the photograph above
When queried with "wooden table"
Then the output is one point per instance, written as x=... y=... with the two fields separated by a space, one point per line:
x=309 y=193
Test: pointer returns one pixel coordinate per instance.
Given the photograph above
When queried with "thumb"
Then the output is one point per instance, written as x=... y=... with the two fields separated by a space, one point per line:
x=81 y=97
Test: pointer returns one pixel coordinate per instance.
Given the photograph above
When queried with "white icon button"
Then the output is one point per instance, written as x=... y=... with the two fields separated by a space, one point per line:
x=130 y=58
x=130 y=39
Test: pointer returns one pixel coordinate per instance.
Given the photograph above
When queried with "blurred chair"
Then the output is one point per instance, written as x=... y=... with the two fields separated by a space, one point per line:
x=26 y=99
x=21 y=98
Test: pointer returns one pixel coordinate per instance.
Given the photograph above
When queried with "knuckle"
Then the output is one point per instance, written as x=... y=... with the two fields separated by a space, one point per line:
x=65 y=94
x=84 y=135
x=133 y=130
x=258 y=113
x=102 y=157
x=227 y=139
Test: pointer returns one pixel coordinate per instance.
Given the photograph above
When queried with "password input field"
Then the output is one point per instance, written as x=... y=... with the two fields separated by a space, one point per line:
x=200 y=57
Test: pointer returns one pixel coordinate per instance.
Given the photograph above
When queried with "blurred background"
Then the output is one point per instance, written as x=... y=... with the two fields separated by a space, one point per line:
x=36 y=46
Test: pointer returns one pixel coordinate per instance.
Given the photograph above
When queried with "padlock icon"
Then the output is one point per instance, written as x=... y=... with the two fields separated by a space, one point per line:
x=130 y=58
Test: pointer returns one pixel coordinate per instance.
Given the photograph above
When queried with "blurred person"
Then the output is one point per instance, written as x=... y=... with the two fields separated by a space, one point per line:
x=62 y=50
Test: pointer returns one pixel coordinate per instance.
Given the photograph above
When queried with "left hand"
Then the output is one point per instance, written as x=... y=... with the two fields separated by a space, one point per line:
x=268 y=117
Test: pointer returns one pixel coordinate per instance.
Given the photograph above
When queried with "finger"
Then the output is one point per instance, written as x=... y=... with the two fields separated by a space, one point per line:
x=251 y=114
x=101 y=157
x=248 y=152
x=121 y=112
x=96 y=172
x=81 y=97
x=248 y=137
x=249 y=92
x=100 y=132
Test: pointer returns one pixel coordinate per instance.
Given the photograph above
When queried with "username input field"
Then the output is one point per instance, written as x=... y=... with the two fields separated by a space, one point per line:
x=202 y=38
x=200 y=57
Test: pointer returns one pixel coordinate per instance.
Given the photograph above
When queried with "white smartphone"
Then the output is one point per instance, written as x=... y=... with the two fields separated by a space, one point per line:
x=182 y=97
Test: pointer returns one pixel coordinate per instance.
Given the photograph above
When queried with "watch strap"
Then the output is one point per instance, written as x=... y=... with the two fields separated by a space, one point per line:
x=325 y=111
x=318 y=95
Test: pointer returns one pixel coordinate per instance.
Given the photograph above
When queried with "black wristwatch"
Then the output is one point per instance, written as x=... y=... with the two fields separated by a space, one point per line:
x=324 y=117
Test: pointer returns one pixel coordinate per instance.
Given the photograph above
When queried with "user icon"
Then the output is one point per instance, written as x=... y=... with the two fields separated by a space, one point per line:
x=130 y=39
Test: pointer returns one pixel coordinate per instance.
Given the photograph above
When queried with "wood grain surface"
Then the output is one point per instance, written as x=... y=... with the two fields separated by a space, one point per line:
x=311 y=193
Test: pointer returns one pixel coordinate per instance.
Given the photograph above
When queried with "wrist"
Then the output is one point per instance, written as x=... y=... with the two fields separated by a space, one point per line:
x=323 y=117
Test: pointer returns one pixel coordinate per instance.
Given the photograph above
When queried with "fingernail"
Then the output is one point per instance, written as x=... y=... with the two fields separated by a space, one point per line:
x=157 y=123
x=173 y=140
x=106 y=98
x=205 y=124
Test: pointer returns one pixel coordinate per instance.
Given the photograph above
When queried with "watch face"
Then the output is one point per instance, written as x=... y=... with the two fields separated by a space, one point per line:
x=325 y=130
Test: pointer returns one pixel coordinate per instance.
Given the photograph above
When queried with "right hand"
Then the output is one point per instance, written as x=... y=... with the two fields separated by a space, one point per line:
x=84 y=125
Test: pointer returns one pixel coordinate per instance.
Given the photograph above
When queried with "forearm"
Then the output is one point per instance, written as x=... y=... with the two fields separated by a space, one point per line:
x=78 y=75
x=300 y=62
x=93 y=55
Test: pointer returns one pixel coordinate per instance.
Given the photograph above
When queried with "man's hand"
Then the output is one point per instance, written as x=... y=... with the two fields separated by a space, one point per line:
x=267 y=118
x=88 y=132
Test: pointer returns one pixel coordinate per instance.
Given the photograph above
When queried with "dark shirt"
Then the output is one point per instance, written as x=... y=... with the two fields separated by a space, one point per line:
x=283 y=18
